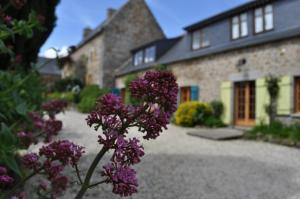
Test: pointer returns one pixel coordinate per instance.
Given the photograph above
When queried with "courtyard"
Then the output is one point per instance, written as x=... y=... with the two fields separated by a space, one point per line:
x=177 y=165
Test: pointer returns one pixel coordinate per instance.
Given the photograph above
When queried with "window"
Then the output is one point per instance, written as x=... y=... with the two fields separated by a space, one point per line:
x=199 y=40
x=264 y=19
x=239 y=26
x=138 y=58
x=189 y=93
x=149 y=54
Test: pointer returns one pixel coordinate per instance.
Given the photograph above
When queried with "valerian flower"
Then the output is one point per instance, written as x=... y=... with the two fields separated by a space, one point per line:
x=54 y=107
x=6 y=180
x=123 y=179
x=128 y=152
x=3 y=170
x=26 y=139
x=22 y=196
x=31 y=161
x=64 y=151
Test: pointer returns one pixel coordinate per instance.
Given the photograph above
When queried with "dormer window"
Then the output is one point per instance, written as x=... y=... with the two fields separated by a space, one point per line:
x=138 y=58
x=150 y=54
x=264 y=20
x=239 y=26
x=199 y=40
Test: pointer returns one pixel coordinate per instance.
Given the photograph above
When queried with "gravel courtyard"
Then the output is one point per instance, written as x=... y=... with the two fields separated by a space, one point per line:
x=178 y=166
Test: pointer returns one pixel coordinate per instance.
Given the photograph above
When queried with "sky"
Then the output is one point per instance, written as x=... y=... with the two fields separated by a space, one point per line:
x=172 y=15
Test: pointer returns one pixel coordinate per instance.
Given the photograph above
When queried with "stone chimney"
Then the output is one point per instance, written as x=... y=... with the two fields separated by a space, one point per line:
x=110 y=12
x=86 y=31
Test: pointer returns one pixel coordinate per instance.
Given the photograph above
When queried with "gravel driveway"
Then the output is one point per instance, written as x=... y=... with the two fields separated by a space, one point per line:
x=178 y=166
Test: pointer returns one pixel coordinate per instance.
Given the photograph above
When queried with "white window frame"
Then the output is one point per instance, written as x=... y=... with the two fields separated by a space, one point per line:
x=202 y=40
x=239 y=26
x=138 y=58
x=266 y=16
x=150 y=54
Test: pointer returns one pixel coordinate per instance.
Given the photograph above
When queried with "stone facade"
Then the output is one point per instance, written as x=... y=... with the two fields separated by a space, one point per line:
x=280 y=58
x=96 y=60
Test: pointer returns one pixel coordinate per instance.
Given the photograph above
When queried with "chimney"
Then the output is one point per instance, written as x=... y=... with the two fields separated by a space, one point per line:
x=110 y=12
x=86 y=31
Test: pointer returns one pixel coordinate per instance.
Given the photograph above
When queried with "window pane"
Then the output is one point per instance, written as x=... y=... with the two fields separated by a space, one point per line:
x=244 y=25
x=138 y=58
x=235 y=31
x=150 y=54
x=235 y=20
x=259 y=24
x=269 y=23
x=205 y=40
x=196 y=40
x=258 y=12
x=269 y=9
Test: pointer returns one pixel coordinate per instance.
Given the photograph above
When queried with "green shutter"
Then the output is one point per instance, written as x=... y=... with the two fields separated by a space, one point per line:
x=285 y=106
x=226 y=98
x=262 y=100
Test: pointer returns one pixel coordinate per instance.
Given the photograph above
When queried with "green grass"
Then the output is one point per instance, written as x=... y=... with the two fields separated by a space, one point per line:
x=276 y=132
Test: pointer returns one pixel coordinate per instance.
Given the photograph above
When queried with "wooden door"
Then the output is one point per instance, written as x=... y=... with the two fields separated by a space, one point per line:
x=245 y=94
x=297 y=95
x=185 y=94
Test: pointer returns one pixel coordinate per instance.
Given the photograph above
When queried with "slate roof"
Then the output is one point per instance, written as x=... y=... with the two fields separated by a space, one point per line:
x=48 y=66
x=177 y=53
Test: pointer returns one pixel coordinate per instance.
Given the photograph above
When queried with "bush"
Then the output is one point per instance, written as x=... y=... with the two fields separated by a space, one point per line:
x=88 y=97
x=213 y=122
x=65 y=85
x=275 y=131
x=67 y=96
x=192 y=113
x=217 y=109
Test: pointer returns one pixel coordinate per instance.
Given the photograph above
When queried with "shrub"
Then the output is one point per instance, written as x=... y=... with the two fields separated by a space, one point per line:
x=67 y=96
x=213 y=122
x=217 y=108
x=88 y=97
x=65 y=85
x=191 y=113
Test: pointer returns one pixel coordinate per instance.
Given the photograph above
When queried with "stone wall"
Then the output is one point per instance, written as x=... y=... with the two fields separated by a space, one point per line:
x=279 y=58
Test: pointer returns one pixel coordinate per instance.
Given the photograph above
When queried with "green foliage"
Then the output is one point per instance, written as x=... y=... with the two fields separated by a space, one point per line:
x=67 y=96
x=8 y=147
x=67 y=84
x=213 y=122
x=19 y=94
x=192 y=113
x=273 y=90
x=89 y=96
x=276 y=131
x=161 y=67
x=217 y=109
x=128 y=98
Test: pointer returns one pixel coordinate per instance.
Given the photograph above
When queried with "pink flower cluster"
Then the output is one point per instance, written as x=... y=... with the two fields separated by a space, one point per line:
x=54 y=107
x=158 y=93
x=57 y=156
x=5 y=179
x=48 y=127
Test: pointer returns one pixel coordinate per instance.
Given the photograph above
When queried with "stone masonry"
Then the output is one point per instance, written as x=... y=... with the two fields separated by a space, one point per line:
x=96 y=60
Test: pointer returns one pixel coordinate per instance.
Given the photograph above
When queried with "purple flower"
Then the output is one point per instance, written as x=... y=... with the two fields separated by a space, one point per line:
x=128 y=152
x=37 y=119
x=53 y=169
x=54 y=107
x=7 y=19
x=123 y=179
x=26 y=139
x=23 y=196
x=31 y=161
x=6 y=180
x=51 y=128
x=59 y=184
x=64 y=151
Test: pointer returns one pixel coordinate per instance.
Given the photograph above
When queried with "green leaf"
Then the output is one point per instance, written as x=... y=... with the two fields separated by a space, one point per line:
x=22 y=109
x=10 y=161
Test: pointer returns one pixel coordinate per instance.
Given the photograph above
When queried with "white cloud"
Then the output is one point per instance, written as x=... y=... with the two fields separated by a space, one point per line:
x=51 y=53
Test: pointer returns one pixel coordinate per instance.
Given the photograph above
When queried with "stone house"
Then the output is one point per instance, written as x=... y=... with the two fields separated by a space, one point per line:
x=49 y=70
x=227 y=57
x=106 y=47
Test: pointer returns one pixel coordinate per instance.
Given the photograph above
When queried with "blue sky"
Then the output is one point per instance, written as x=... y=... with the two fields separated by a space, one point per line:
x=172 y=15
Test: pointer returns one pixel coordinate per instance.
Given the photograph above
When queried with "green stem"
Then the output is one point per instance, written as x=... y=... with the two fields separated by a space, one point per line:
x=86 y=184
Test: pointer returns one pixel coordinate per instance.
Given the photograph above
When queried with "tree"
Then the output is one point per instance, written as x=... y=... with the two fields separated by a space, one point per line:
x=273 y=90
x=26 y=49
